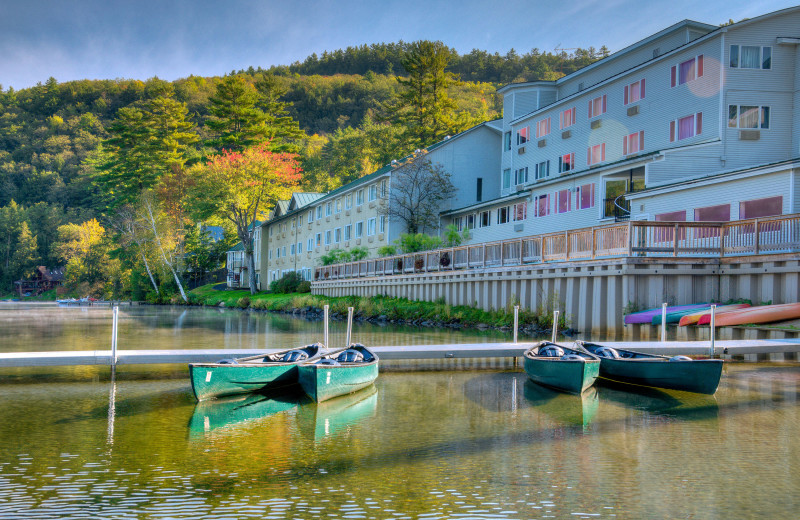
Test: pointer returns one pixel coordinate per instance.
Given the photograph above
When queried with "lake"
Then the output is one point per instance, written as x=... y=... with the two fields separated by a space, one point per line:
x=449 y=444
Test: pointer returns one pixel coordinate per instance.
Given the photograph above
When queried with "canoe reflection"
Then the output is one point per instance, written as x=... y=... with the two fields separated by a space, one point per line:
x=336 y=416
x=566 y=409
x=669 y=403
x=236 y=411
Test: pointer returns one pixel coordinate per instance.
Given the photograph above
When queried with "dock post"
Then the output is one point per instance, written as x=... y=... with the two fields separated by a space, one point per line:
x=663 y=322
x=713 y=330
x=516 y=336
x=326 y=316
x=349 y=334
x=114 y=328
x=555 y=326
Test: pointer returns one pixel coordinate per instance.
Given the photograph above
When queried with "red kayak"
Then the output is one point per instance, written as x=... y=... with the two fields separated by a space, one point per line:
x=762 y=314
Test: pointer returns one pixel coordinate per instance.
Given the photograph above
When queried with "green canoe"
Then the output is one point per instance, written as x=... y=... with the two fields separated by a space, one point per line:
x=676 y=373
x=341 y=372
x=562 y=368
x=250 y=374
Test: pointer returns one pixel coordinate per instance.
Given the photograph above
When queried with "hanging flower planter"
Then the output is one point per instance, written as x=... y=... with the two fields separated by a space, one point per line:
x=444 y=259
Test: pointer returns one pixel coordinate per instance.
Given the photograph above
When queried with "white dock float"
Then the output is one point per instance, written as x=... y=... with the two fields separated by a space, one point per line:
x=423 y=352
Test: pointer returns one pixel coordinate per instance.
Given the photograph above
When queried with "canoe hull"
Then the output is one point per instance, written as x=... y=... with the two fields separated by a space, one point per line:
x=565 y=375
x=323 y=382
x=647 y=316
x=700 y=375
x=213 y=380
x=762 y=314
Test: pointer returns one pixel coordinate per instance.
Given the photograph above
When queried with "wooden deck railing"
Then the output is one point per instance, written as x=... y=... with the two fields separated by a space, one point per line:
x=639 y=238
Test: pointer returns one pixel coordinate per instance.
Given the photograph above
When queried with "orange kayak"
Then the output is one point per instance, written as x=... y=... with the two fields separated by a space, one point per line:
x=705 y=314
x=762 y=314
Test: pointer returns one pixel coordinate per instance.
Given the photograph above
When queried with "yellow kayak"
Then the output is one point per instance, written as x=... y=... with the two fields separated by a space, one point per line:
x=691 y=319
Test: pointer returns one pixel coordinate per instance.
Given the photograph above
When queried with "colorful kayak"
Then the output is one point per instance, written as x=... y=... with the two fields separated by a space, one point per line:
x=675 y=316
x=761 y=314
x=647 y=316
x=341 y=372
x=677 y=373
x=695 y=317
x=250 y=374
x=562 y=368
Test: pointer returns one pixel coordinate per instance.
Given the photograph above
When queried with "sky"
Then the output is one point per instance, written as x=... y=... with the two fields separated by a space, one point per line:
x=106 y=39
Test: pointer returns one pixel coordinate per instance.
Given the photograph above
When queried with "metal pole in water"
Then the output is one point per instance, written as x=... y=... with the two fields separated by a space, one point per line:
x=326 y=311
x=713 y=330
x=516 y=322
x=555 y=326
x=349 y=334
x=663 y=322
x=114 y=327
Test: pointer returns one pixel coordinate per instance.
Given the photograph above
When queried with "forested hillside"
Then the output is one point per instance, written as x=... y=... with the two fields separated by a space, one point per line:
x=57 y=139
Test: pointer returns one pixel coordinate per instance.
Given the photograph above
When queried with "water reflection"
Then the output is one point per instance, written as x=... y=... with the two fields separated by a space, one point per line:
x=674 y=404
x=563 y=408
x=329 y=419
x=238 y=411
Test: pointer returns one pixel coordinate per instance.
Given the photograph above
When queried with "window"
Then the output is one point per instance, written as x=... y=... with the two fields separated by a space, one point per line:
x=283 y=251
x=563 y=201
x=597 y=153
x=720 y=213
x=751 y=57
x=373 y=192
x=507 y=141
x=359 y=229
x=319 y=212
x=348 y=230
x=359 y=197
x=523 y=136
x=371 y=226
x=686 y=71
x=541 y=205
x=542 y=128
x=299 y=247
x=597 y=106
x=328 y=209
x=507 y=178
x=291 y=250
x=270 y=254
x=348 y=201
x=382 y=224
x=293 y=223
x=328 y=237
x=567 y=118
x=338 y=205
x=566 y=163
x=747 y=116
x=503 y=215
x=337 y=235
x=485 y=219
x=479 y=189
x=633 y=92
x=585 y=196
x=471 y=221
x=542 y=170
x=521 y=176
x=768 y=207
x=318 y=240
x=270 y=231
x=686 y=127
x=458 y=222
x=520 y=211
x=633 y=143
x=672 y=216
x=310 y=244
x=383 y=188
x=277 y=252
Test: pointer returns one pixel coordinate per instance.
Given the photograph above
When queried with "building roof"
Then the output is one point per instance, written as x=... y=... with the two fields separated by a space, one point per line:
x=494 y=125
x=237 y=247
x=300 y=199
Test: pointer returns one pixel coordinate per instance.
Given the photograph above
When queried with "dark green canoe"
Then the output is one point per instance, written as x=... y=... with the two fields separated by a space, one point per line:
x=250 y=374
x=676 y=373
x=562 y=368
x=338 y=373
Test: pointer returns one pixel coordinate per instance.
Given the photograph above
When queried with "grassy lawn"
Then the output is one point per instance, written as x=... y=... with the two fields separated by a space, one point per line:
x=374 y=307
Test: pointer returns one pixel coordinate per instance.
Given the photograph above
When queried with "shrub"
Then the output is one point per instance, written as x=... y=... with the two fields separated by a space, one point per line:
x=243 y=302
x=415 y=242
x=358 y=253
x=453 y=237
x=304 y=286
x=287 y=284
x=387 y=250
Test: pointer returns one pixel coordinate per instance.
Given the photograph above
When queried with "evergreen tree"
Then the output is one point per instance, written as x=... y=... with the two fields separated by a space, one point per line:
x=281 y=129
x=26 y=254
x=236 y=120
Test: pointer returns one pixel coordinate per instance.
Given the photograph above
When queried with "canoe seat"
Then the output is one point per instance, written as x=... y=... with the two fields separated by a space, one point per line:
x=350 y=355
x=680 y=358
x=571 y=357
x=328 y=361
x=228 y=361
x=551 y=351
x=607 y=352
x=295 y=355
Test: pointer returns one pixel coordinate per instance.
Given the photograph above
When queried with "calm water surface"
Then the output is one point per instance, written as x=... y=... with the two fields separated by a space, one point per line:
x=467 y=444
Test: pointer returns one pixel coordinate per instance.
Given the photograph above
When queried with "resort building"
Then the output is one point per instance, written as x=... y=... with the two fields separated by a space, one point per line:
x=694 y=123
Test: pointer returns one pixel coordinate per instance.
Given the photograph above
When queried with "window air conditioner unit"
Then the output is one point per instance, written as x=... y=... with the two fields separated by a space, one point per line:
x=521 y=150
x=542 y=143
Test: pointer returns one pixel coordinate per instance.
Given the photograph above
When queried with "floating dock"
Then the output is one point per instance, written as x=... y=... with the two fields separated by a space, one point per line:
x=776 y=349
